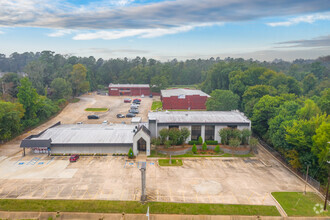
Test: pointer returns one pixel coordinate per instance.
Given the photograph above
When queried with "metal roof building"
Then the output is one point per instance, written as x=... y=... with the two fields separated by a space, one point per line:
x=129 y=89
x=184 y=99
x=206 y=124
x=83 y=138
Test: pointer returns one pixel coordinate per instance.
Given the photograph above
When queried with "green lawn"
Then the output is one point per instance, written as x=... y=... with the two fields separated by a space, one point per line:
x=102 y=206
x=96 y=109
x=156 y=105
x=166 y=162
x=74 y=100
x=298 y=204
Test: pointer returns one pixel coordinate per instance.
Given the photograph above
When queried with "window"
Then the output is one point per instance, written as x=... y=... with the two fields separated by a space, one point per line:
x=232 y=126
x=173 y=126
x=209 y=132
x=195 y=132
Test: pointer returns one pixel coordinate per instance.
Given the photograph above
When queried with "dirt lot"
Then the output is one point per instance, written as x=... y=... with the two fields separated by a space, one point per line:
x=75 y=112
x=218 y=180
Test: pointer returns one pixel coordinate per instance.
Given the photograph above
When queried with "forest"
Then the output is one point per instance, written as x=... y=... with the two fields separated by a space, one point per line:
x=287 y=102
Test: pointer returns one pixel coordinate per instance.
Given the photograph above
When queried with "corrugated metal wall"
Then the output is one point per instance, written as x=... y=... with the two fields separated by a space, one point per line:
x=90 y=149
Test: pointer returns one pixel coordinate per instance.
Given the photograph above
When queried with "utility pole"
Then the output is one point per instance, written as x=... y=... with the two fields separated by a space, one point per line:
x=326 y=195
x=306 y=180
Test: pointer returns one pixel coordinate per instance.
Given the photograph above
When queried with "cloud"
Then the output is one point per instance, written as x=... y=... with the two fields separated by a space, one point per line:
x=60 y=33
x=323 y=41
x=143 y=33
x=301 y=19
x=59 y=14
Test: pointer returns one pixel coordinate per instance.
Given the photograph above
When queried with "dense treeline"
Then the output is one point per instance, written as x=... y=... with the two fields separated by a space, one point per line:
x=287 y=102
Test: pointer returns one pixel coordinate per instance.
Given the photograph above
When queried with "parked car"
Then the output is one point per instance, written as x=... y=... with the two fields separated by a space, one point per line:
x=135 y=106
x=137 y=100
x=130 y=115
x=142 y=96
x=120 y=116
x=74 y=158
x=134 y=111
x=127 y=100
x=93 y=117
x=150 y=96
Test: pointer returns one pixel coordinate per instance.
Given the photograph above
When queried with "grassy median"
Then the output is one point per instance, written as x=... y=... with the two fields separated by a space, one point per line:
x=156 y=105
x=96 y=109
x=166 y=162
x=298 y=204
x=99 y=206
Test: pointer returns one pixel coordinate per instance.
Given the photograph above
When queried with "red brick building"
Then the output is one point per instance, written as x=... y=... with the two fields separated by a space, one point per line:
x=184 y=99
x=129 y=89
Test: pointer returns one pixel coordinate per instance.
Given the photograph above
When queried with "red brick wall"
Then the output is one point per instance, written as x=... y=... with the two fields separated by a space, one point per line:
x=192 y=101
x=129 y=91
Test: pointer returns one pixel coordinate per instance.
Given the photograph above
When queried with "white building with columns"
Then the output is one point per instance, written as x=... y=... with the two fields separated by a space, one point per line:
x=206 y=124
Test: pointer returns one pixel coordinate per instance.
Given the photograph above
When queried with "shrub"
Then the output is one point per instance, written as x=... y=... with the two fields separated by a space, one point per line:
x=193 y=142
x=228 y=133
x=184 y=134
x=200 y=140
x=194 y=149
x=217 y=149
x=234 y=142
x=224 y=133
x=156 y=141
x=163 y=134
x=210 y=142
x=174 y=135
x=130 y=153
x=168 y=143
x=204 y=147
x=246 y=133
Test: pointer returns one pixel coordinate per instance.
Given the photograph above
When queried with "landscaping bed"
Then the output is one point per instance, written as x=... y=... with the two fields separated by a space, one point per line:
x=96 y=109
x=166 y=162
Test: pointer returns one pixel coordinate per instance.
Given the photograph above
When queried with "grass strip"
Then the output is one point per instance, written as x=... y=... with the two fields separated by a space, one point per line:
x=166 y=162
x=156 y=105
x=101 y=206
x=96 y=109
x=298 y=204
x=190 y=154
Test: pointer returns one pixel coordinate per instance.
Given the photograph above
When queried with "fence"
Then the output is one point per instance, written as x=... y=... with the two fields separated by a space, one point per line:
x=310 y=180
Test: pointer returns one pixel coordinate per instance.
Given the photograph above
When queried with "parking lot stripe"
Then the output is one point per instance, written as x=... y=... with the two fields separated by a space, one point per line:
x=183 y=197
x=50 y=160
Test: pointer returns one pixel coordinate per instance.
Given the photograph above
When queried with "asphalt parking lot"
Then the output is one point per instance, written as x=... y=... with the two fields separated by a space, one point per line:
x=219 y=180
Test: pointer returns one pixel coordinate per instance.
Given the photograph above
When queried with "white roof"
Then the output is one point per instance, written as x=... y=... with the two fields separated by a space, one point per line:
x=128 y=85
x=89 y=134
x=199 y=117
x=136 y=119
x=178 y=92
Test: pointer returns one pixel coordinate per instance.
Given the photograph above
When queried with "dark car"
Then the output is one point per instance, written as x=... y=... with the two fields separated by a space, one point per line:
x=134 y=111
x=130 y=115
x=137 y=100
x=120 y=116
x=150 y=96
x=74 y=158
x=93 y=117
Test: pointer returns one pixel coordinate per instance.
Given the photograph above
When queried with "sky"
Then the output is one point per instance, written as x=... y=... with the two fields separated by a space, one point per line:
x=168 y=29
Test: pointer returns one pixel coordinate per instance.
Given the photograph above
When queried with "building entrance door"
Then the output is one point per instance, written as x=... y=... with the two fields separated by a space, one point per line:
x=142 y=145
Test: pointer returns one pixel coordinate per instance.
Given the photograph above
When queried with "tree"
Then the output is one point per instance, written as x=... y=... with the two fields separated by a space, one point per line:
x=194 y=149
x=217 y=149
x=256 y=92
x=78 y=79
x=158 y=83
x=200 y=140
x=321 y=146
x=309 y=83
x=174 y=135
x=309 y=110
x=246 y=133
x=222 y=100
x=324 y=101
x=263 y=111
x=60 y=88
x=163 y=134
x=130 y=153
x=28 y=97
x=185 y=133
x=253 y=143
x=10 y=119
x=204 y=147
x=234 y=142
x=10 y=82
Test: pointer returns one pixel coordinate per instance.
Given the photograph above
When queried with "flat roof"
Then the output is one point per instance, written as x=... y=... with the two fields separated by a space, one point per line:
x=191 y=117
x=89 y=134
x=178 y=92
x=128 y=85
